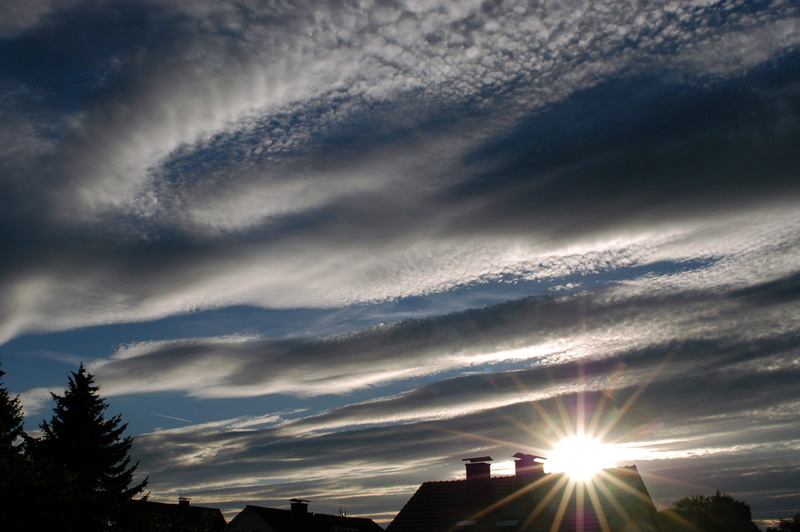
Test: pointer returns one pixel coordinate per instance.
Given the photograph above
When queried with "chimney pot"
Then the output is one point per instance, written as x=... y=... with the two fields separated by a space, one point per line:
x=299 y=506
x=526 y=466
x=478 y=468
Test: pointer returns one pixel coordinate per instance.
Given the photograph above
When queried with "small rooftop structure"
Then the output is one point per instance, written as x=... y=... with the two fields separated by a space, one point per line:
x=530 y=501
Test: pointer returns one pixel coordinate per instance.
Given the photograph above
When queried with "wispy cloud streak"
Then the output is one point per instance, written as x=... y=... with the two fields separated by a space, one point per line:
x=198 y=156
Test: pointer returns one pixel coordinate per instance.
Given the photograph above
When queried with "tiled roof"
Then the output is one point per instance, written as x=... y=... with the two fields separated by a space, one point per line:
x=616 y=500
x=290 y=521
x=175 y=515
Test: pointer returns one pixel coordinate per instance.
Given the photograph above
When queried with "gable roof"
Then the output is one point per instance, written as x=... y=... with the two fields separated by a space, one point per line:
x=615 y=500
x=177 y=515
x=292 y=521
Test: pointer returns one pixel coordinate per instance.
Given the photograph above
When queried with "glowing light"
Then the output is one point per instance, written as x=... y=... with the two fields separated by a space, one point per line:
x=580 y=457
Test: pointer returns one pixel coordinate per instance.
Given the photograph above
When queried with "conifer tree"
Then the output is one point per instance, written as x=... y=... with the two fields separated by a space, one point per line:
x=14 y=470
x=90 y=452
x=10 y=424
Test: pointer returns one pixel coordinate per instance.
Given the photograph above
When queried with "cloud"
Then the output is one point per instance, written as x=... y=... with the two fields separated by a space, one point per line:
x=672 y=405
x=695 y=382
x=699 y=304
x=35 y=399
x=204 y=155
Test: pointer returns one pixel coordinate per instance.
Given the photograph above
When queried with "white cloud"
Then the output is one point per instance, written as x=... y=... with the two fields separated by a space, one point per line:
x=702 y=303
x=230 y=130
x=35 y=399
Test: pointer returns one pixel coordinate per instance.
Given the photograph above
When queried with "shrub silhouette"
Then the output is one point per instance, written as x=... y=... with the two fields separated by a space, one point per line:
x=708 y=513
x=787 y=525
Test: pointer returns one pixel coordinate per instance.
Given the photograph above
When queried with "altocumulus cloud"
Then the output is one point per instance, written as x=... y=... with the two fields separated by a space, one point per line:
x=596 y=324
x=703 y=419
x=203 y=155
x=161 y=158
x=702 y=379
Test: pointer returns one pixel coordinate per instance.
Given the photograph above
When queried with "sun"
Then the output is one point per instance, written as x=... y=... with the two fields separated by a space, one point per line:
x=580 y=457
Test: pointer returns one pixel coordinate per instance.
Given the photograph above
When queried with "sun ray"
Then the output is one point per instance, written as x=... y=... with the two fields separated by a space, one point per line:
x=688 y=525
x=598 y=507
x=670 y=480
x=473 y=436
x=562 y=506
x=565 y=417
x=580 y=501
x=548 y=419
x=544 y=502
x=551 y=423
x=597 y=415
x=527 y=428
x=623 y=486
x=508 y=498
x=612 y=500
x=633 y=398
x=580 y=421
x=601 y=405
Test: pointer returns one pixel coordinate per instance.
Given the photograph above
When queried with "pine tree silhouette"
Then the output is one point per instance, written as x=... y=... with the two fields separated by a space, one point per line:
x=13 y=467
x=90 y=452
x=10 y=425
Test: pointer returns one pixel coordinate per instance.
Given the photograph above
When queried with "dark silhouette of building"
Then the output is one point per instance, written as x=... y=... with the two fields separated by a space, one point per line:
x=615 y=500
x=296 y=519
x=148 y=515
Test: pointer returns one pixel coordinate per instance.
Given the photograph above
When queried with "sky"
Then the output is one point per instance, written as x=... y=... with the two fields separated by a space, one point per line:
x=326 y=250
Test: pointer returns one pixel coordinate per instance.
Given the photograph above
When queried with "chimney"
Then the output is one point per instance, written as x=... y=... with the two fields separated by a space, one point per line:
x=299 y=506
x=183 y=501
x=526 y=466
x=478 y=468
x=478 y=477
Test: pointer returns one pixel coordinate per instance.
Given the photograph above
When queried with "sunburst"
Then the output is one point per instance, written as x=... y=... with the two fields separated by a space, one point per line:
x=580 y=450
x=581 y=457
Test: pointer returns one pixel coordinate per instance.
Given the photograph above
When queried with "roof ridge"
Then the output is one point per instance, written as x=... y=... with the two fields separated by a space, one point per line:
x=315 y=514
x=555 y=474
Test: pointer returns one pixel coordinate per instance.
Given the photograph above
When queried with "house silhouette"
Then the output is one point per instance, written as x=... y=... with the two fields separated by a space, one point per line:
x=149 y=515
x=531 y=500
x=296 y=519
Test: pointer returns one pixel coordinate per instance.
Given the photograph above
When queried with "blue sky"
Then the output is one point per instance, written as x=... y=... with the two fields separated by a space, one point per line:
x=327 y=250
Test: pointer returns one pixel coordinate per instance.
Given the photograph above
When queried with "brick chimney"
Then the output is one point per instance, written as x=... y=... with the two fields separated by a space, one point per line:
x=478 y=477
x=527 y=468
x=299 y=506
x=478 y=468
x=183 y=501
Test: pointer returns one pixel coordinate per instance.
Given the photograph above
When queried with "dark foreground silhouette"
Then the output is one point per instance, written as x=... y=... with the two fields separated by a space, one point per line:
x=77 y=475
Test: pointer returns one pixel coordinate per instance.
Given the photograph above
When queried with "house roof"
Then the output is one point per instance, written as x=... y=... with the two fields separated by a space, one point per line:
x=179 y=515
x=292 y=521
x=614 y=501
